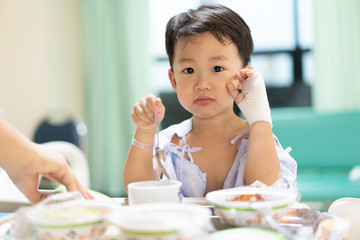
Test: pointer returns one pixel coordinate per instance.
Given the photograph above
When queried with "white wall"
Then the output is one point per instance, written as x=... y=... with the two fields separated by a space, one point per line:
x=41 y=60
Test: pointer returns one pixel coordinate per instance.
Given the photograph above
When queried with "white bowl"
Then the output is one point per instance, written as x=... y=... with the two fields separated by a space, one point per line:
x=250 y=213
x=79 y=219
x=98 y=196
x=154 y=191
x=165 y=221
x=252 y=233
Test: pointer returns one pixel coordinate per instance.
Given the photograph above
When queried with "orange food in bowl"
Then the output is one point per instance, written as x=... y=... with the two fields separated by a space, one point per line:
x=248 y=197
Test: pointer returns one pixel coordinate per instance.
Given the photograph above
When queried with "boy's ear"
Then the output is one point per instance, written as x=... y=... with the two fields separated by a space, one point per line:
x=172 y=78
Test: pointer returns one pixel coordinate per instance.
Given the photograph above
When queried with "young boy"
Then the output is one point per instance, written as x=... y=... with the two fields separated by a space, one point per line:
x=209 y=50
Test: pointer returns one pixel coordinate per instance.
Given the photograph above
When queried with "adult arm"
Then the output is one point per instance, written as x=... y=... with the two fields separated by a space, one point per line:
x=24 y=161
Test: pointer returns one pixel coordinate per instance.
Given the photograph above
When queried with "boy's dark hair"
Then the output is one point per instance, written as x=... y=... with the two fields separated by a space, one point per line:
x=217 y=19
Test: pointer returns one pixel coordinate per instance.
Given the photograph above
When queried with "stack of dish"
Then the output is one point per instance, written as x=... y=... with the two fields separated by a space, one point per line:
x=79 y=219
x=163 y=221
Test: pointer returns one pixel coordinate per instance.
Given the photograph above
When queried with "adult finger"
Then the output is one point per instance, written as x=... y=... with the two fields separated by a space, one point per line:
x=77 y=186
x=66 y=177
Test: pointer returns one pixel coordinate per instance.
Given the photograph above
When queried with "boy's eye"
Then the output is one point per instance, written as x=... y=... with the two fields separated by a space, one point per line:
x=188 y=70
x=217 y=69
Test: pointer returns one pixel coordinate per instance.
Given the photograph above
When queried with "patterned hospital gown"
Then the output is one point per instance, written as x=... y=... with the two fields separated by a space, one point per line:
x=194 y=180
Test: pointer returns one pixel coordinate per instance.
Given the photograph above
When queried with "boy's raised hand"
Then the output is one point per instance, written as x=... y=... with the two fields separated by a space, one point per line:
x=144 y=110
x=252 y=100
x=241 y=77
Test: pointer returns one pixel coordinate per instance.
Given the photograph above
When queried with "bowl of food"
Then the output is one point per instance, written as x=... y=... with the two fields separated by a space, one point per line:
x=163 y=221
x=248 y=206
x=78 y=219
x=154 y=191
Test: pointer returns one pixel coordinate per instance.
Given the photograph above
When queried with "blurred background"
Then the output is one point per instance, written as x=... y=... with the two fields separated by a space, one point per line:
x=91 y=60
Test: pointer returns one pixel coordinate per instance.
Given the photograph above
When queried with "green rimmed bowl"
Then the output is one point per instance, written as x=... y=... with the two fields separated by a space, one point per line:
x=252 y=233
x=98 y=196
x=163 y=221
x=250 y=213
x=78 y=219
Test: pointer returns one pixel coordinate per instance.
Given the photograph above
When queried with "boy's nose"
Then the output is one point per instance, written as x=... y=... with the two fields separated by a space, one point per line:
x=202 y=83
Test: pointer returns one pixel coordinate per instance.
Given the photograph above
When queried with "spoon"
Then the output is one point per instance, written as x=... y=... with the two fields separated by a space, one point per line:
x=157 y=154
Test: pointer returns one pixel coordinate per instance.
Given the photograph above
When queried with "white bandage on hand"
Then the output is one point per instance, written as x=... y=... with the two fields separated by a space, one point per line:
x=255 y=106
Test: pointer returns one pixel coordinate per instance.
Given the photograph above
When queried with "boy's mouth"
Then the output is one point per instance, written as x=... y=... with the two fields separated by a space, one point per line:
x=204 y=100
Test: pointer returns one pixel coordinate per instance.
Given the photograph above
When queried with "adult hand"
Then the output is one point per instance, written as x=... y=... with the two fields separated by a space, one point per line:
x=49 y=164
x=24 y=161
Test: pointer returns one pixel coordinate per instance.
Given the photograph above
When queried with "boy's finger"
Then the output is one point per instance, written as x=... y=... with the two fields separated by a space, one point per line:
x=245 y=72
x=141 y=114
x=151 y=104
x=250 y=73
x=241 y=76
x=147 y=111
x=159 y=107
x=238 y=97
x=160 y=110
x=249 y=67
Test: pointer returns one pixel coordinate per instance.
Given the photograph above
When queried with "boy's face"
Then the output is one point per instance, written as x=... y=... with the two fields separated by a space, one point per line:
x=201 y=68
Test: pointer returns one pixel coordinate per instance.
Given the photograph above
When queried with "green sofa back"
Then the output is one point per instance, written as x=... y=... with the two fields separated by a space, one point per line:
x=319 y=140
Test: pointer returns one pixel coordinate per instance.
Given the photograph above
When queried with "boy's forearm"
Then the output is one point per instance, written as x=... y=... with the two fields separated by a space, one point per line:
x=262 y=162
x=139 y=164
